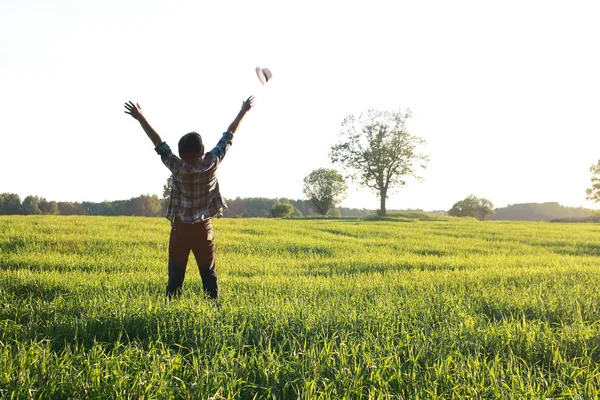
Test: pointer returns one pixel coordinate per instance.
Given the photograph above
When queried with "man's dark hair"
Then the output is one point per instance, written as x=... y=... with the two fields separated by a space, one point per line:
x=191 y=143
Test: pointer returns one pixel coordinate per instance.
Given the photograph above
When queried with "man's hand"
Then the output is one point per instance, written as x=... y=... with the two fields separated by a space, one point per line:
x=134 y=110
x=247 y=104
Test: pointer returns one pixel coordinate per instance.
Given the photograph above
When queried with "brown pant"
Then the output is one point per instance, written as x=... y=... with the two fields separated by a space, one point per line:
x=199 y=238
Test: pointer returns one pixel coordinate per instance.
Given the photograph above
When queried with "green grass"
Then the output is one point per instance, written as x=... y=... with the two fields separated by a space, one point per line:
x=408 y=306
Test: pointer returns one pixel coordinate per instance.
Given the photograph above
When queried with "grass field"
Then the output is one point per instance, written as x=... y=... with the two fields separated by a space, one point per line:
x=410 y=307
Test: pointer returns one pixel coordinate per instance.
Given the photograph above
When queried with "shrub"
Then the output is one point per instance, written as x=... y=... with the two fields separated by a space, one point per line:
x=282 y=210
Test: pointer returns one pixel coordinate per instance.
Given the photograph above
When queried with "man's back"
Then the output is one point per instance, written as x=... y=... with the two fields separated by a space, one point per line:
x=195 y=194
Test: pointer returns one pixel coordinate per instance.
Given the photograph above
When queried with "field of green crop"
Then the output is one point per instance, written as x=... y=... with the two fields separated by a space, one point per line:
x=411 y=307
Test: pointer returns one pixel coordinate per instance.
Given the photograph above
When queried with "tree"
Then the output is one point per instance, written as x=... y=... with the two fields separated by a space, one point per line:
x=48 y=207
x=325 y=188
x=593 y=193
x=30 y=206
x=11 y=204
x=69 y=208
x=145 y=205
x=106 y=208
x=472 y=206
x=151 y=205
x=236 y=208
x=538 y=212
x=335 y=212
x=167 y=193
x=282 y=210
x=65 y=208
x=378 y=152
x=259 y=207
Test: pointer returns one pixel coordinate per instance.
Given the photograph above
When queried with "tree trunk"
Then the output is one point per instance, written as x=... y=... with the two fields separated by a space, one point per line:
x=383 y=194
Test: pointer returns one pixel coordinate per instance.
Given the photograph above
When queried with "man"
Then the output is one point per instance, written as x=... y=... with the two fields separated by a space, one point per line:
x=195 y=199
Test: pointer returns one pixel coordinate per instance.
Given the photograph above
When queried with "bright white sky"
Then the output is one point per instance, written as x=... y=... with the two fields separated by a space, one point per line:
x=507 y=94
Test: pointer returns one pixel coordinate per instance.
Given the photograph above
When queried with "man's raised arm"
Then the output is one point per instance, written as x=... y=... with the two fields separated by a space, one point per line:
x=136 y=112
x=246 y=105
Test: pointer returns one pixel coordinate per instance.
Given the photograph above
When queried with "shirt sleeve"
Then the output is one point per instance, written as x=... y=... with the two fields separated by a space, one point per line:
x=223 y=145
x=170 y=160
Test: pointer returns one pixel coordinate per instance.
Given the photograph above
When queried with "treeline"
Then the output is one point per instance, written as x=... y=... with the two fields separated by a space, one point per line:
x=253 y=207
x=153 y=206
x=144 y=205
x=538 y=212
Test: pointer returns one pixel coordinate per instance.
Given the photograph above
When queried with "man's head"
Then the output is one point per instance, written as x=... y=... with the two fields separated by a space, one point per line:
x=190 y=146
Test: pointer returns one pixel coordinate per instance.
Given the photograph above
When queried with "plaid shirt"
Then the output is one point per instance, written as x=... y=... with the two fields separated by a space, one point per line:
x=195 y=194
